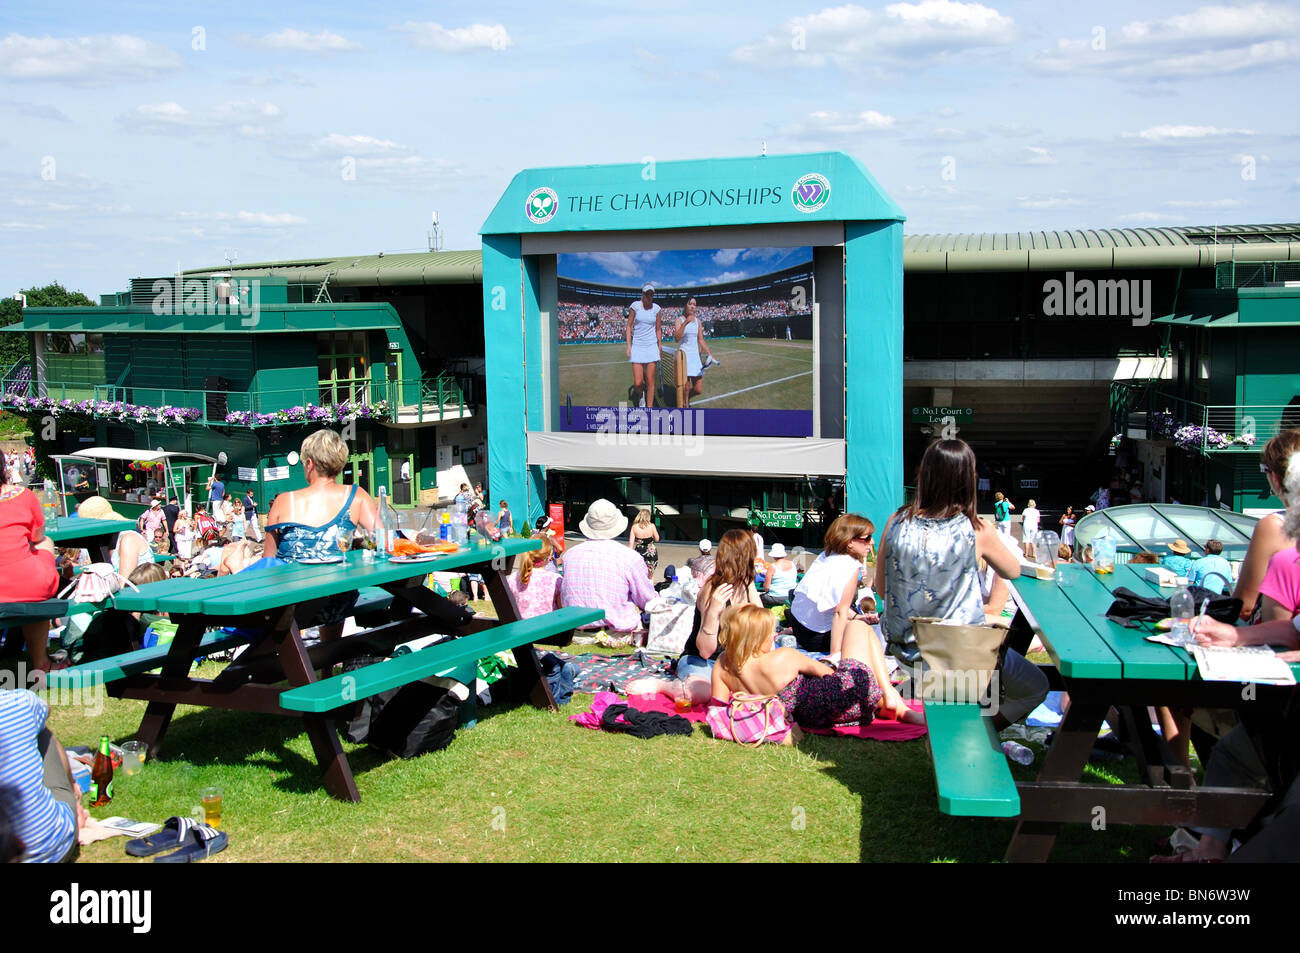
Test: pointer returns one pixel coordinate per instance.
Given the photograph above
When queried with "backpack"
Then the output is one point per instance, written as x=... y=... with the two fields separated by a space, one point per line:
x=407 y=721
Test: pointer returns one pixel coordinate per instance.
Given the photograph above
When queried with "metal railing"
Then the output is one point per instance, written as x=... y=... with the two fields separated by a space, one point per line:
x=1218 y=428
x=408 y=400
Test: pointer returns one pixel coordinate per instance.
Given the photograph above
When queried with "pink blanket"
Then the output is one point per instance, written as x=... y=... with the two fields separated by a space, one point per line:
x=878 y=730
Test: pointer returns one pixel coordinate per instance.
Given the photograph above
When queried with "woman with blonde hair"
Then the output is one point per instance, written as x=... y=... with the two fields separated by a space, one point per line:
x=305 y=525
x=534 y=587
x=642 y=537
x=731 y=584
x=815 y=694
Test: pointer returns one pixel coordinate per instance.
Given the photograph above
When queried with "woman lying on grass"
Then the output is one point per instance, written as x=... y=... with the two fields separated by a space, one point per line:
x=815 y=694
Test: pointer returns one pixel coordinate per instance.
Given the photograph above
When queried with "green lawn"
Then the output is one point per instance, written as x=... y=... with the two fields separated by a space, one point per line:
x=527 y=785
x=755 y=373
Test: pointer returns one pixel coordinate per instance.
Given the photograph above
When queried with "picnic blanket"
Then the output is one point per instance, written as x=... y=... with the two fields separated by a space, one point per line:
x=878 y=730
x=605 y=673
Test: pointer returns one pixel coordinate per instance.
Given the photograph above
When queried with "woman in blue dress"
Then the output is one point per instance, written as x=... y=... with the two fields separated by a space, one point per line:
x=305 y=525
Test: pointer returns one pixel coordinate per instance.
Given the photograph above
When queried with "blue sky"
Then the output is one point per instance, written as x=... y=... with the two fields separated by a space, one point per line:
x=679 y=269
x=138 y=137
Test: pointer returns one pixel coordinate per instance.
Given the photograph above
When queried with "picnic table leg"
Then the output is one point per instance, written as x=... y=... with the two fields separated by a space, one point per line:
x=529 y=669
x=184 y=649
x=321 y=731
x=1065 y=761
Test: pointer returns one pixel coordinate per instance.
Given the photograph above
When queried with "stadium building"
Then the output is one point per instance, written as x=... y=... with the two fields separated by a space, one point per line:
x=1037 y=348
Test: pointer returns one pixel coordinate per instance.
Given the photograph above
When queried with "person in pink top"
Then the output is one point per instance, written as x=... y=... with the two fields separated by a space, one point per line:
x=534 y=588
x=602 y=573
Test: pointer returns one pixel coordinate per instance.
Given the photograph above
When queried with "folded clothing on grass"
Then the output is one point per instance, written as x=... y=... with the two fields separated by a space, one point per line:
x=880 y=729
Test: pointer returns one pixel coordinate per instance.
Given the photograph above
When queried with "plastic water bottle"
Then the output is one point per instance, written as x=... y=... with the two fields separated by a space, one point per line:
x=50 y=506
x=1018 y=752
x=384 y=544
x=1181 y=609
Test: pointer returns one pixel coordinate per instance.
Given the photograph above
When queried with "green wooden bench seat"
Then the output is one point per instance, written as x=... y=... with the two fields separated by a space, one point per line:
x=21 y=613
x=331 y=693
x=111 y=669
x=970 y=770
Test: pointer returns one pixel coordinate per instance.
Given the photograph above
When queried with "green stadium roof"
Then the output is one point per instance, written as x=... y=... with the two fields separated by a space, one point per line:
x=1085 y=249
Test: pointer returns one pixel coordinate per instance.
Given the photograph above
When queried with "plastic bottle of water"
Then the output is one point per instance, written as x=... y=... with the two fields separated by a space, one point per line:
x=50 y=505
x=1018 y=752
x=384 y=545
x=1181 y=609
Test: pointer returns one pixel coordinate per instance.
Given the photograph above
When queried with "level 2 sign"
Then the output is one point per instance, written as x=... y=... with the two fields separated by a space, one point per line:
x=777 y=519
x=935 y=415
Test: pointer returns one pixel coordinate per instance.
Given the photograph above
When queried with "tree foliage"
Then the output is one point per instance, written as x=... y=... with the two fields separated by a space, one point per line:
x=15 y=347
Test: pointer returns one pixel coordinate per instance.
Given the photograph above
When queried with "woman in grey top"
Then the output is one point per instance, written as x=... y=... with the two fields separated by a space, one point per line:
x=928 y=565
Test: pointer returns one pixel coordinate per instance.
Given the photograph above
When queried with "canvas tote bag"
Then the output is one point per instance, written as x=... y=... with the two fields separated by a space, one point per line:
x=961 y=659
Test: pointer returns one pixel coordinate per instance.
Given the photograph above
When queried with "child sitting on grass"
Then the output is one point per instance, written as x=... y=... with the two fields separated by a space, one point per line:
x=815 y=694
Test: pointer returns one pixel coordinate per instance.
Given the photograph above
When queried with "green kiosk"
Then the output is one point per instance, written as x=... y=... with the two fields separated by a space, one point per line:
x=708 y=320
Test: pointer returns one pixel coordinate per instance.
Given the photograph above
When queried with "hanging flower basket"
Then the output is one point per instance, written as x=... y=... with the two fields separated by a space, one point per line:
x=345 y=412
x=113 y=410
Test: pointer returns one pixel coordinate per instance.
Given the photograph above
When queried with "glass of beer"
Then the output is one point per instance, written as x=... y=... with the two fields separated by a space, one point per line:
x=210 y=798
x=345 y=542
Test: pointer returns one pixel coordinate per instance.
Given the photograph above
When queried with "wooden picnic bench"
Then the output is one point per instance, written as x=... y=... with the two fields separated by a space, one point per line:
x=1102 y=665
x=970 y=770
x=261 y=606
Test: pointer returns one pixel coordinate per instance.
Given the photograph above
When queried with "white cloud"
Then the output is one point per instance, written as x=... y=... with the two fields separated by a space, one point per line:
x=624 y=264
x=835 y=124
x=290 y=39
x=1049 y=203
x=21 y=227
x=35 y=110
x=338 y=145
x=1035 y=155
x=947 y=112
x=1204 y=203
x=250 y=119
x=1168 y=133
x=87 y=60
x=1151 y=218
x=726 y=256
x=1210 y=40
x=255 y=219
x=477 y=36
x=276 y=77
x=854 y=38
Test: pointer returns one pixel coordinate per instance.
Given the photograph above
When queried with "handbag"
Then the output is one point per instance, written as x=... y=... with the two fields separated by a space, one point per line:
x=96 y=583
x=670 y=625
x=961 y=659
x=752 y=720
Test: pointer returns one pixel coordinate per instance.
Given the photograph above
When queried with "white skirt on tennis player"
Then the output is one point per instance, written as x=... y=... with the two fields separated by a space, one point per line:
x=694 y=368
x=645 y=353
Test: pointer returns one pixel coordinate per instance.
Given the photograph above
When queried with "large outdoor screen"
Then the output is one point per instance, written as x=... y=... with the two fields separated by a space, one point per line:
x=726 y=334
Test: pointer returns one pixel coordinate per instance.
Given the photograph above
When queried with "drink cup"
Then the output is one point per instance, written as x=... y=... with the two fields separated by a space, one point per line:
x=134 y=754
x=211 y=799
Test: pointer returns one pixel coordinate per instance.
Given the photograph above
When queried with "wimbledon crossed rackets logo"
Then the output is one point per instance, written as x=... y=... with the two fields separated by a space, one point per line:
x=542 y=205
x=811 y=192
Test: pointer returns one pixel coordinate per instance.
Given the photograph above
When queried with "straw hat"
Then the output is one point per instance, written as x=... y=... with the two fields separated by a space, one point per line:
x=98 y=508
x=1180 y=547
x=603 y=521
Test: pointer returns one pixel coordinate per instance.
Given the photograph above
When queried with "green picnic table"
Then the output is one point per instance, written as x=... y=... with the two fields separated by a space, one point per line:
x=97 y=536
x=1105 y=665
x=261 y=606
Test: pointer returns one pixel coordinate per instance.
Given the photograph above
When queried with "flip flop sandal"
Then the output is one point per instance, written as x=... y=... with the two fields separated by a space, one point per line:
x=202 y=843
x=171 y=836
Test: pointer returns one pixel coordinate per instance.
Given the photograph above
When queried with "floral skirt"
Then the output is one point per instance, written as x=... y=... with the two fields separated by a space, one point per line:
x=645 y=548
x=848 y=696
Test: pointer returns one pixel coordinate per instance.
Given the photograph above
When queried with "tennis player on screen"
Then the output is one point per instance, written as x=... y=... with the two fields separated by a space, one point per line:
x=689 y=332
x=644 y=334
